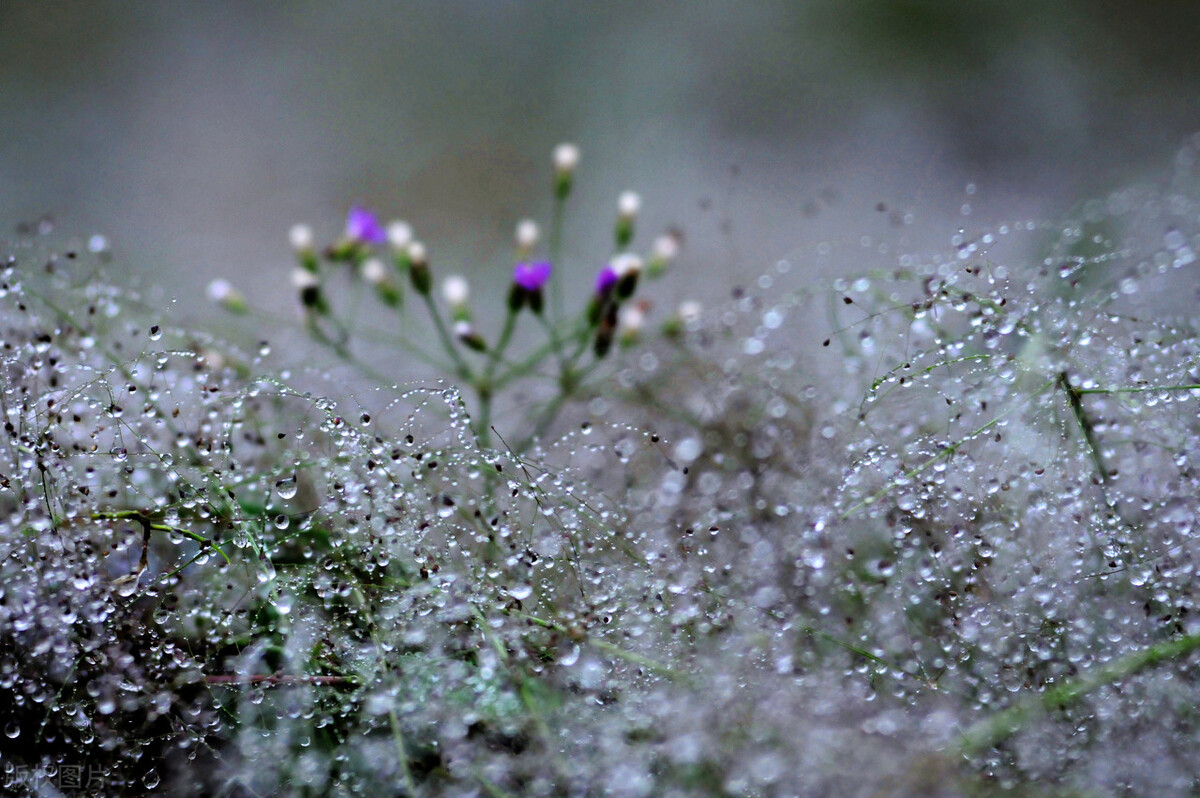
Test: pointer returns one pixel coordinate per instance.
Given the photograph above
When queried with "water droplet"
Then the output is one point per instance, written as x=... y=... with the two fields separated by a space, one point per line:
x=287 y=487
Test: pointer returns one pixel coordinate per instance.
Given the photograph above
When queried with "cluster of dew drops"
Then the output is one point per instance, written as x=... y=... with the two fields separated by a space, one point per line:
x=882 y=509
x=196 y=553
x=978 y=476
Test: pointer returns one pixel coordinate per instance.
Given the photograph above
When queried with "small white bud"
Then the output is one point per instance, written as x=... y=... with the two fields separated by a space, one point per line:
x=224 y=294
x=690 y=310
x=399 y=235
x=527 y=233
x=626 y=263
x=666 y=248
x=416 y=252
x=301 y=236
x=463 y=329
x=566 y=157
x=220 y=289
x=632 y=318
x=628 y=204
x=303 y=278
x=374 y=271
x=456 y=290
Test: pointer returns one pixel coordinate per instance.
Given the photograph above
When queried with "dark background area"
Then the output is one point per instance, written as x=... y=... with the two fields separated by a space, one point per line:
x=193 y=135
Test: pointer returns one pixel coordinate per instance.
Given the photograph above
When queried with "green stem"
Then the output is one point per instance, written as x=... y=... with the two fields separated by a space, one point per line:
x=570 y=385
x=485 y=388
x=1143 y=389
x=994 y=730
x=375 y=335
x=609 y=648
x=497 y=351
x=555 y=344
x=147 y=523
x=342 y=351
x=460 y=366
x=1084 y=423
x=555 y=247
x=527 y=364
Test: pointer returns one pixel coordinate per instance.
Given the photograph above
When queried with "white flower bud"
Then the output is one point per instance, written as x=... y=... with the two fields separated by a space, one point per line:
x=456 y=290
x=463 y=329
x=566 y=157
x=220 y=289
x=628 y=204
x=416 y=252
x=690 y=310
x=527 y=234
x=301 y=236
x=632 y=318
x=399 y=235
x=666 y=248
x=303 y=278
x=374 y=271
x=224 y=294
x=626 y=263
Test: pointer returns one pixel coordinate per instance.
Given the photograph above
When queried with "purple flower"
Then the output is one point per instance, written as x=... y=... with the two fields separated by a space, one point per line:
x=532 y=275
x=363 y=227
x=606 y=279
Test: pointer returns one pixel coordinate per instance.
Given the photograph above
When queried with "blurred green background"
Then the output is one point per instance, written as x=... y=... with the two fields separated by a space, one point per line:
x=194 y=134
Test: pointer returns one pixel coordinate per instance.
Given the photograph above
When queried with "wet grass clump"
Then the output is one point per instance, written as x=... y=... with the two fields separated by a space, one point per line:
x=926 y=530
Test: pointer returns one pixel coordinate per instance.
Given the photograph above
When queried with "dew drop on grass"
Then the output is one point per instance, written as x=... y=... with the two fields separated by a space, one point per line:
x=850 y=552
x=287 y=488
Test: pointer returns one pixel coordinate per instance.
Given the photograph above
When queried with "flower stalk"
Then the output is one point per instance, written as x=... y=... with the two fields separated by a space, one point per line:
x=574 y=346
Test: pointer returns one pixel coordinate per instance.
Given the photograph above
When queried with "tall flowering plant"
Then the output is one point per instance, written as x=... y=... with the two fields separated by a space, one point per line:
x=393 y=262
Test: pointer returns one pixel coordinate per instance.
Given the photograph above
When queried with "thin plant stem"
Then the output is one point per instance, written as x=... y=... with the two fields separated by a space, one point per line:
x=610 y=648
x=994 y=730
x=555 y=246
x=279 y=680
x=948 y=451
x=527 y=364
x=150 y=525
x=555 y=344
x=1085 y=425
x=460 y=366
x=485 y=388
x=1141 y=389
x=393 y=718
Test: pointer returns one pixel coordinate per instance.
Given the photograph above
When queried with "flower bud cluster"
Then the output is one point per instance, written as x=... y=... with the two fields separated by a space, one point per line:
x=385 y=257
